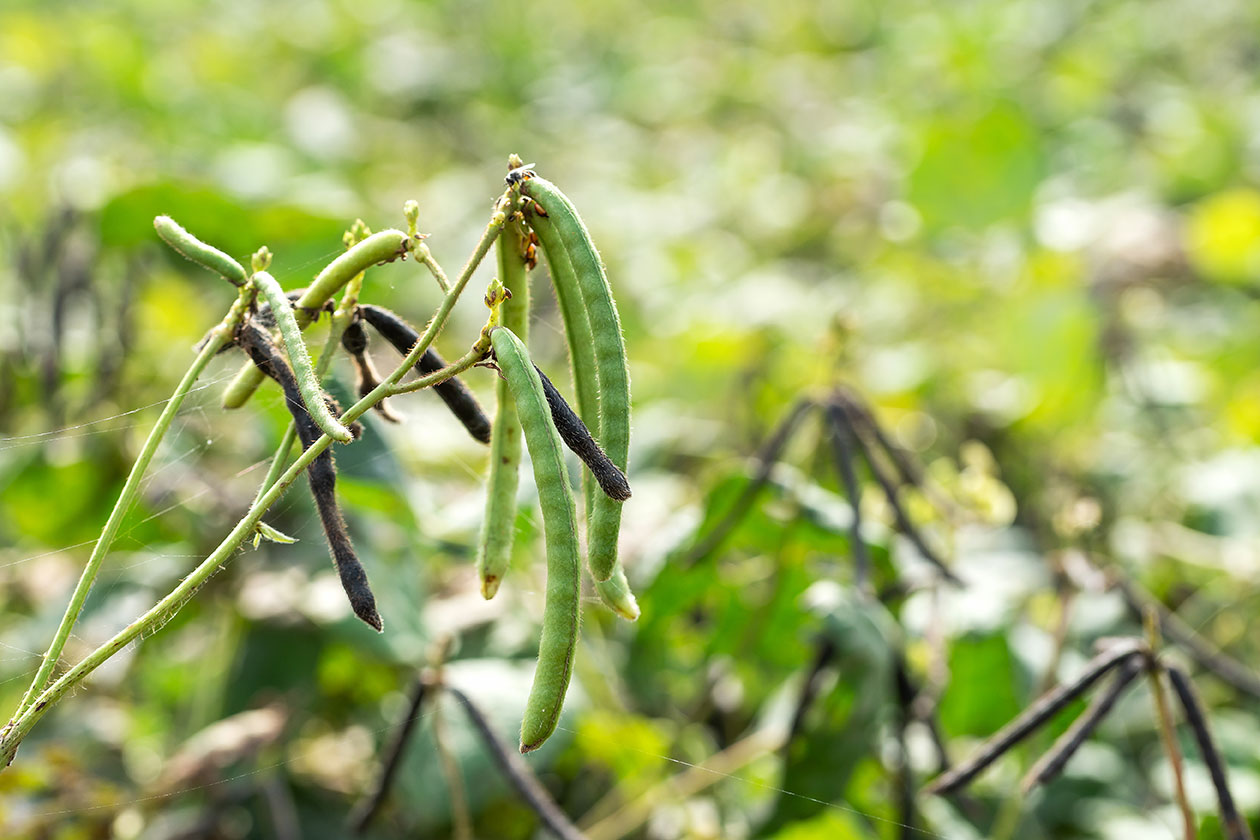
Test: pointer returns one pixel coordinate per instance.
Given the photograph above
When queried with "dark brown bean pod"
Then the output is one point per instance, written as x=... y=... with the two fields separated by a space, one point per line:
x=1233 y=826
x=391 y=759
x=1032 y=718
x=321 y=474
x=355 y=341
x=454 y=393
x=518 y=772
x=1052 y=763
x=578 y=438
x=840 y=415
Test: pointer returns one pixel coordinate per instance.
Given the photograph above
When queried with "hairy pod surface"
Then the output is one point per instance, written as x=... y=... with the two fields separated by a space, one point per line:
x=610 y=360
x=494 y=549
x=191 y=248
x=453 y=392
x=578 y=438
x=616 y=595
x=559 y=510
x=385 y=246
x=291 y=334
x=321 y=475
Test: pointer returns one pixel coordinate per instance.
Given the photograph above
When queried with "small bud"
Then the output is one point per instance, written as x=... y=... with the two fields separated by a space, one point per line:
x=411 y=210
x=261 y=260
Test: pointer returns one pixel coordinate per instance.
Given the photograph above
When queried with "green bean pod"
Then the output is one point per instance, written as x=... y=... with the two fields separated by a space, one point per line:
x=577 y=329
x=616 y=595
x=604 y=524
x=291 y=335
x=494 y=551
x=385 y=246
x=559 y=510
x=191 y=248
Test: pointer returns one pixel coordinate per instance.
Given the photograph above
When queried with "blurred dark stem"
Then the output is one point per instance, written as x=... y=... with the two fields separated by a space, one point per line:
x=280 y=807
x=518 y=773
x=842 y=449
x=1228 y=670
x=364 y=812
x=765 y=460
x=824 y=653
x=904 y=691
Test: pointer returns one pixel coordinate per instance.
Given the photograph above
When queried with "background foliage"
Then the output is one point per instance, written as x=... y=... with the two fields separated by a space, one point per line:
x=1027 y=230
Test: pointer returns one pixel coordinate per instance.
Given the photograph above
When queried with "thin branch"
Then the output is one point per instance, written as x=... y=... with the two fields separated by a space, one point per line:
x=1204 y=654
x=365 y=811
x=1046 y=707
x=839 y=416
x=1167 y=733
x=1233 y=825
x=1066 y=598
x=425 y=257
x=824 y=653
x=1052 y=763
x=766 y=458
x=905 y=691
x=285 y=824
x=461 y=820
x=219 y=337
x=519 y=773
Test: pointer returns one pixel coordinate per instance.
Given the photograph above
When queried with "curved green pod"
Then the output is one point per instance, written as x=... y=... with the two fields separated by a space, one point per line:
x=385 y=246
x=291 y=335
x=604 y=524
x=494 y=550
x=559 y=510
x=191 y=248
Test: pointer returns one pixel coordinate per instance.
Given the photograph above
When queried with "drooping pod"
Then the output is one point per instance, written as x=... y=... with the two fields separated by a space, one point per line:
x=561 y=224
x=453 y=392
x=291 y=334
x=578 y=438
x=382 y=247
x=559 y=511
x=354 y=340
x=321 y=474
x=191 y=248
x=494 y=549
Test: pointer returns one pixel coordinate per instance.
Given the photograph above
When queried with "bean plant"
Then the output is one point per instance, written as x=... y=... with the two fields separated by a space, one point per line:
x=265 y=322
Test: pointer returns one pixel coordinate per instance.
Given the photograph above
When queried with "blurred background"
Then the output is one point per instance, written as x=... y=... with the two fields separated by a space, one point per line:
x=1027 y=232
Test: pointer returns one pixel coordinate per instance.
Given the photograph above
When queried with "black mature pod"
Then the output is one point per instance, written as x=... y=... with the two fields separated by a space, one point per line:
x=578 y=438
x=355 y=341
x=321 y=474
x=454 y=393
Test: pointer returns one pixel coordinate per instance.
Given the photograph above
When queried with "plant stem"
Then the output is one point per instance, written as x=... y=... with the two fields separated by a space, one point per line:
x=425 y=257
x=218 y=337
x=1166 y=726
x=164 y=609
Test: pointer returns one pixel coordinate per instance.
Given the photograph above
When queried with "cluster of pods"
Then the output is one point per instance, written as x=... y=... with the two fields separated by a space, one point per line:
x=529 y=407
